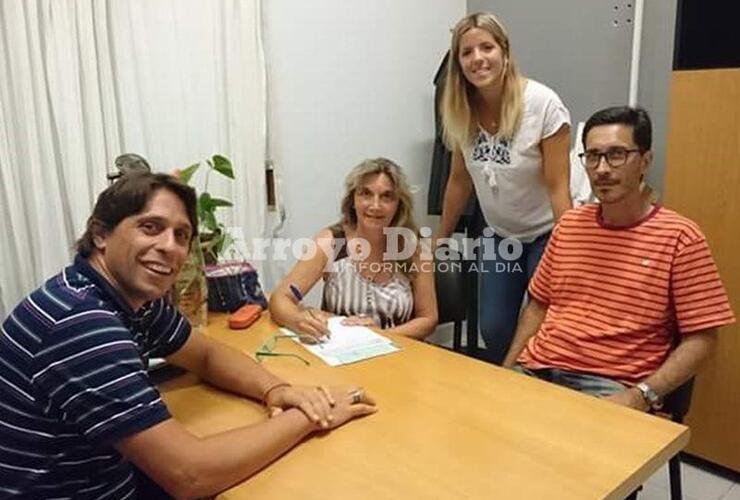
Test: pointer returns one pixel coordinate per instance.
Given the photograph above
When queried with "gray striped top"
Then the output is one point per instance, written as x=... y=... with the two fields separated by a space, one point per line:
x=349 y=293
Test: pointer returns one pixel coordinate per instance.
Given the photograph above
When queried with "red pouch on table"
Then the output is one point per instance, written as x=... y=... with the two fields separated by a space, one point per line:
x=244 y=316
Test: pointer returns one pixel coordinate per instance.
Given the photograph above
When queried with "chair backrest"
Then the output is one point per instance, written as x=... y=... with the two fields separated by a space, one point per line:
x=678 y=402
x=450 y=283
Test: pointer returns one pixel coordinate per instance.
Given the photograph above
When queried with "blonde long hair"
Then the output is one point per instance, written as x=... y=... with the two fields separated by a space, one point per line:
x=458 y=119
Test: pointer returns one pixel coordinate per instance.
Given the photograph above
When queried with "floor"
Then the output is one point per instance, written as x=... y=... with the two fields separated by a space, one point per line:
x=698 y=484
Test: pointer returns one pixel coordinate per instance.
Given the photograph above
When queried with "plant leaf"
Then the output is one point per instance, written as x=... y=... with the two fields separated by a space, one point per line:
x=205 y=203
x=220 y=202
x=210 y=222
x=222 y=165
x=212 y=243
x=203 y=206
x=187 y=174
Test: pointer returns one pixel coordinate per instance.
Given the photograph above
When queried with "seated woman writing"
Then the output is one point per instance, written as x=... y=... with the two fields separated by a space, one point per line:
x=362 y=279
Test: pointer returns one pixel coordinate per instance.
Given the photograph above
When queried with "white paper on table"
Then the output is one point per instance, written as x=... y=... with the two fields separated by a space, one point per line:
x=348 y=344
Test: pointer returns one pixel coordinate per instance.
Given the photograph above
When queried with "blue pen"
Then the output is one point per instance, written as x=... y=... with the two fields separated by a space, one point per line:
x=296 y=292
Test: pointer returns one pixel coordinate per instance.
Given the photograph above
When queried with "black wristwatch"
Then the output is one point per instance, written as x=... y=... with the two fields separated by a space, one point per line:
x=650 y=396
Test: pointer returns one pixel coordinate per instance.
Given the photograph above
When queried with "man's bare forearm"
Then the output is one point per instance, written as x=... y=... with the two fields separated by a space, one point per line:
x=227 y=458
x=529 y=324
x=234 y=371
x=683 y=362
x=190 y=467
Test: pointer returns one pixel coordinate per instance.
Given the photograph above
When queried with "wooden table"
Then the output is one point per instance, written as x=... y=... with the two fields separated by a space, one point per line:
x=449 y=427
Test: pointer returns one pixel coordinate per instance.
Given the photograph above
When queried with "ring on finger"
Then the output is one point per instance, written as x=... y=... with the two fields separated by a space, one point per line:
x=356 y=396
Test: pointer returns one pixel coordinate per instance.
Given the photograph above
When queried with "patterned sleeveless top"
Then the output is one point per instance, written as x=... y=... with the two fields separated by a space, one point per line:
x=348 y=293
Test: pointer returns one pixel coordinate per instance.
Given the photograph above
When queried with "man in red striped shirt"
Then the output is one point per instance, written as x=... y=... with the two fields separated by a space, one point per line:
x=627 y=299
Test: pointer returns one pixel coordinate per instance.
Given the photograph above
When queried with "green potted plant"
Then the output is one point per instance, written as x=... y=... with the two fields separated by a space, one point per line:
x=191 y=289
x=228 y=284
x=213 y=236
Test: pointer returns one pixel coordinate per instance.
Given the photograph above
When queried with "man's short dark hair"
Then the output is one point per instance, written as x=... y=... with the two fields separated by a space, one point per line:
x=128 y=196
x=637 y=118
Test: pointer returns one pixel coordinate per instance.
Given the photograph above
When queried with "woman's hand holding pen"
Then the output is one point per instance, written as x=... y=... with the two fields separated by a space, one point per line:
x=313 y=323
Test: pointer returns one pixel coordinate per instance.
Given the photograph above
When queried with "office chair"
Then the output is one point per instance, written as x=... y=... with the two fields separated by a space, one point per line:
x=450 y=283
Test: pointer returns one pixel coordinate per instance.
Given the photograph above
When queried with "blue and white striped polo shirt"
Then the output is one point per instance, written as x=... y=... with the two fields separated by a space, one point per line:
x=73 y=382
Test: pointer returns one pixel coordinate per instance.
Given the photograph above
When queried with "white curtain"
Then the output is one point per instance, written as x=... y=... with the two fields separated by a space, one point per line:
x=82 y=81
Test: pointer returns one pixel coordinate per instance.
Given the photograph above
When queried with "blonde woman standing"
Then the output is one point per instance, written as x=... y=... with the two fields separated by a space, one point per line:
x=510 y=139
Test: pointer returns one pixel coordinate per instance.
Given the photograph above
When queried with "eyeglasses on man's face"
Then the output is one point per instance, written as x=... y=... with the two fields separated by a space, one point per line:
x=615 y=157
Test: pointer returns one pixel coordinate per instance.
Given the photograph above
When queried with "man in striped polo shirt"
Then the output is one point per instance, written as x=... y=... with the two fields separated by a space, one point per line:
x=627 y=299
x=77 y=409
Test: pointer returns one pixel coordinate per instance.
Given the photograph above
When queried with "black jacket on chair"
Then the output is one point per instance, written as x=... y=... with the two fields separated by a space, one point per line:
x=472 y=220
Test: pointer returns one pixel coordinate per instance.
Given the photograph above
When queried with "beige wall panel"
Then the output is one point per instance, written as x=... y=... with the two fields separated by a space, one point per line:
x=703 y=182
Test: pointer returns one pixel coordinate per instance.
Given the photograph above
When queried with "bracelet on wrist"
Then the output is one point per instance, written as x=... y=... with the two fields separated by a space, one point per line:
x=272 y=388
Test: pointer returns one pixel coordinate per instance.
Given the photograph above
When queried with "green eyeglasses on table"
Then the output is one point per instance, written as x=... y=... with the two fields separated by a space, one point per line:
x=268 y=348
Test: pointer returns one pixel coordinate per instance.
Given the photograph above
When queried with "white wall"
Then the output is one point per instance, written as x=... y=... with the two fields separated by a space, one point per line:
x=348 y=80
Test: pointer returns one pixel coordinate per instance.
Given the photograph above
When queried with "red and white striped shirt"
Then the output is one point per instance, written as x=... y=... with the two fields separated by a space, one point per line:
x=617 y=295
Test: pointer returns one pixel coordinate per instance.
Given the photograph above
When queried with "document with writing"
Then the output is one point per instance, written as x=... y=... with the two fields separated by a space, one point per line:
x=349 y=344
